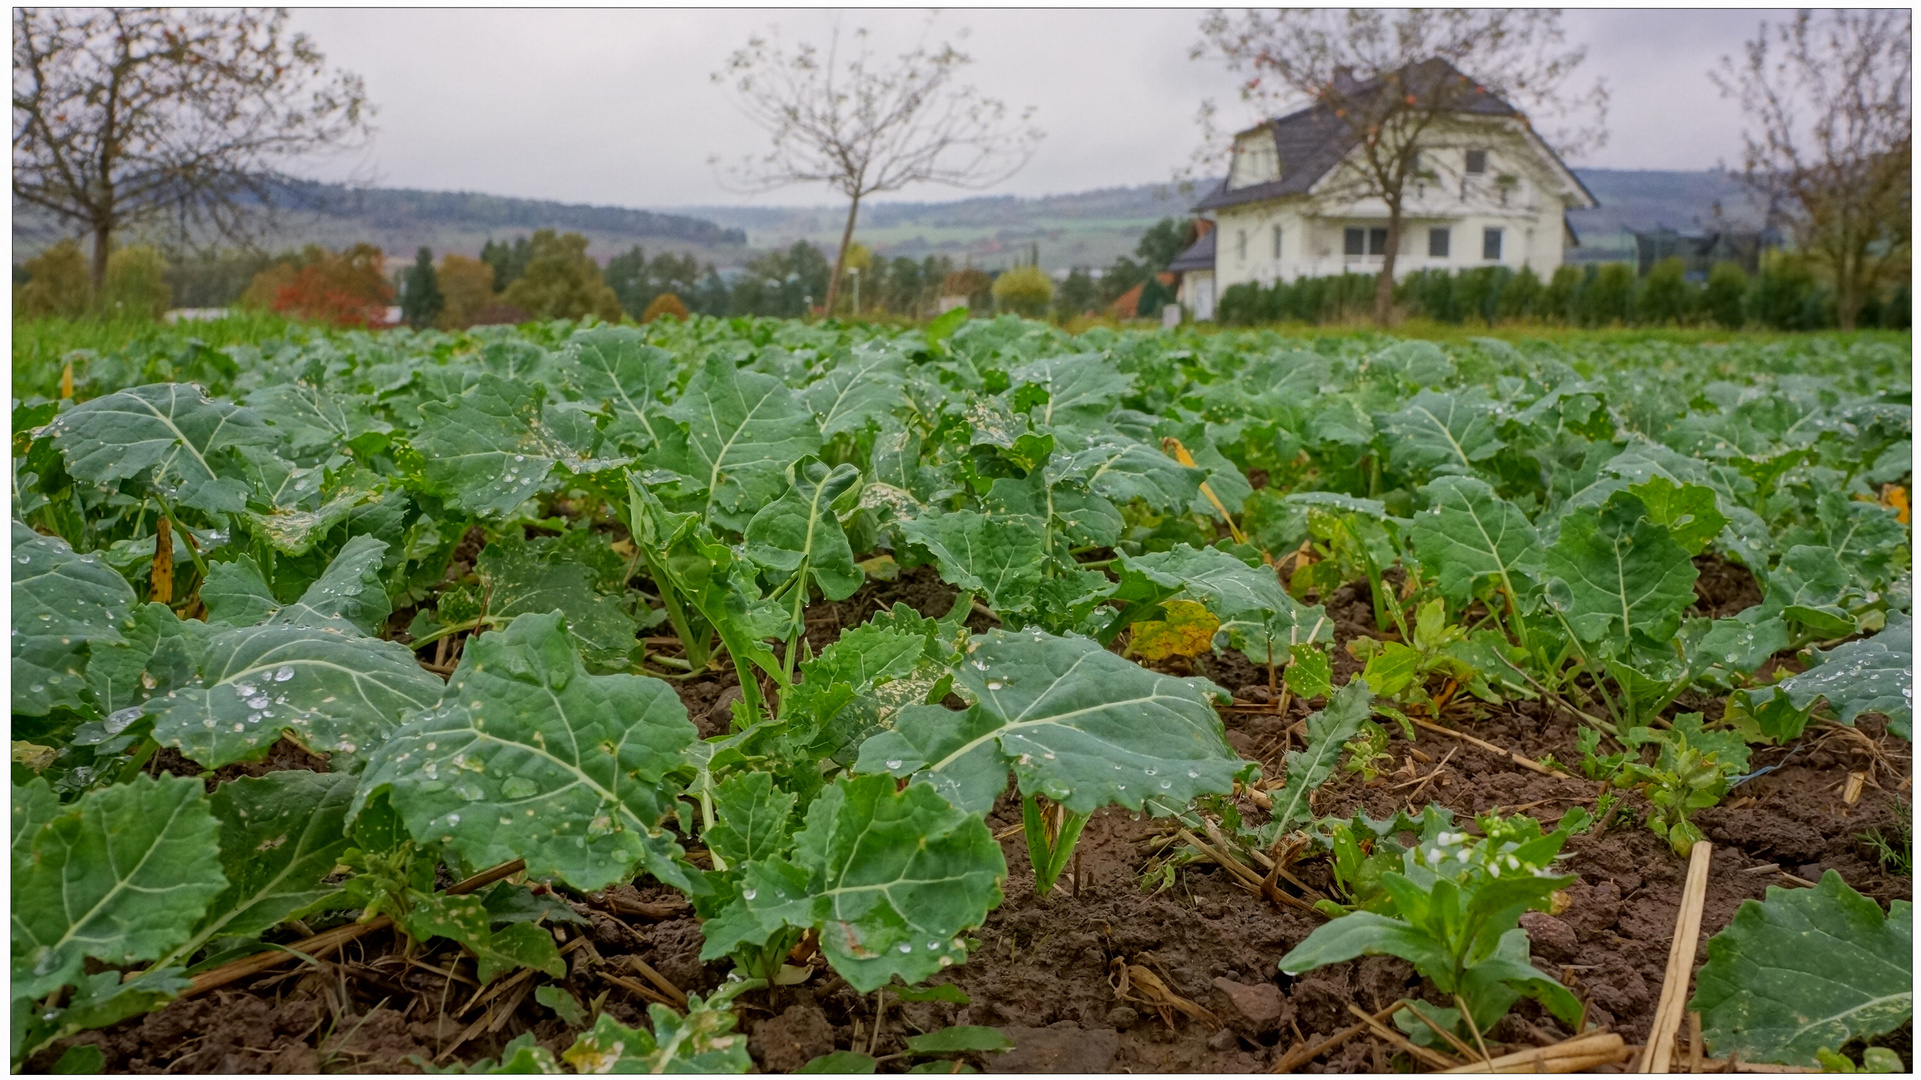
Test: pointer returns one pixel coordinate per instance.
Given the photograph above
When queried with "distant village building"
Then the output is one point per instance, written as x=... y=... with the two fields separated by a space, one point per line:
x=1488 y=192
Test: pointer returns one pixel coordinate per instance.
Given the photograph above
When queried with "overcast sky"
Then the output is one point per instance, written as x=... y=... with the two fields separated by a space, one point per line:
x=617 y=107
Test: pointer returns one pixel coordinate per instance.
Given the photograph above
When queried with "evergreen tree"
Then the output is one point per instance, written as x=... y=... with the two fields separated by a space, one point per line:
x=420 y=298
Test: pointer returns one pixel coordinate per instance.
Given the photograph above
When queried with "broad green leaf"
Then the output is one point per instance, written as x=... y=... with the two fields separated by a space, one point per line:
x=1077 y=387
x=1309 y=767
x=496 y=445
x=755 y=821
x=314 y=420
x=947 y=992
x=62 y=602
x=1806 y=969
x=862 y=387
x=890 y=878
x=236 y=593
x=332 y=692
x=522 y=580
x=1073 y=721
x=1364 y=933
x=1442 y=432
x=859 y=683
x=349 y=596
x=121 y=876
x=703 y=1041
x=167 y=434
x=1689 y=511
x=281 y=835
x=800 y=532
x=959 y=1039
x=564 y=1004
x=614 y=365
x=1620 y=574
x=1124 y=470
x=1470 y=536
x=1870 y=675
x=465 y=919
x=999 y=558
x=743 y=430
x=529 y=756
x=34 y=804
x=1310 y=671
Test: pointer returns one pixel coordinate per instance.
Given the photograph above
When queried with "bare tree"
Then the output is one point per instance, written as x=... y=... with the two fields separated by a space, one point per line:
x=129 y=114
x=1842 y=168
x=864 y=127
x=1390 y=77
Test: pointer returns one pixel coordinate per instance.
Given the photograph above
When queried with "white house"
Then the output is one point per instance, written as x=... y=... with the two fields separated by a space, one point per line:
x=1487 y=192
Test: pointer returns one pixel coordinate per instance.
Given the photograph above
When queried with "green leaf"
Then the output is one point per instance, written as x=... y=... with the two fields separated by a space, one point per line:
x=564 y=1004
x=122 y=876
x=743 y=430
x=169 y=435
x=1124 y=470
x=1364 y=933
x=62 y=603
x=236 y=593
x=1688 y=511
x=755 y=819
x=34 y=804
x=1309 y=767
x=349 y=596
x=1310 y=671
x=496 y=445
x=83 y=1058
x=330 y=691
x=1804 y=969
x=1870 y=675
x=800 y=532
x=859 y=683
x=703 y=1041
x=1620 y=574
x=890 y=878
x=1073 y=721
x=465 y=919
x=861 y=388
x=529 y=756
x=1471 y=536
x=524 y=580
x=315 y=421
x=841 y=1061
x=281 y=835
x=959 y=1039
x=999 y=558
x=615 y=366
x=1077 y=387
x=1442 y=432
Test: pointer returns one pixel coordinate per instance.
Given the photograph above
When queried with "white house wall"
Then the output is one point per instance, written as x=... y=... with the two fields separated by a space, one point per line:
x=1529 y=211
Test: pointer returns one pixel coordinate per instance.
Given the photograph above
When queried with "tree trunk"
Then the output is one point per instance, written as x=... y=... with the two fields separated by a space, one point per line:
x=102 y=247
x=1384 y=284
x=840 y=257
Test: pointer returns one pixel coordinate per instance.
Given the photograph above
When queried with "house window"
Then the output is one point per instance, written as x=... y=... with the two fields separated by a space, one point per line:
x=1437 y=243
x=1358 y=241
x=1277 y=241
x=1491 y=244
x=1241 y=241
x=1476 y=162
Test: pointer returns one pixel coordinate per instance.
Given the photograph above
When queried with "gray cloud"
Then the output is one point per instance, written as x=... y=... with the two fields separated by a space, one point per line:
x=616 y=106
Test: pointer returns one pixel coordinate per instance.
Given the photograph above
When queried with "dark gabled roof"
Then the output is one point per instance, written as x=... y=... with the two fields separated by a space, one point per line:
x=1199 y=255
x=1313 y=140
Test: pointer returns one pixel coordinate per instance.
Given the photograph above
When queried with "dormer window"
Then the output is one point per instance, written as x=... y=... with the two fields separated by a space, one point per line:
x=1476 y=162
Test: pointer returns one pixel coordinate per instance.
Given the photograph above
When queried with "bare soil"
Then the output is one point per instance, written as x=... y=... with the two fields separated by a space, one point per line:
x=1045 y=971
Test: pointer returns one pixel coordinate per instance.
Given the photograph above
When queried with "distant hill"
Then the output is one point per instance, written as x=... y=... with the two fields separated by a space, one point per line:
x=1089 y=228
x=400 y=220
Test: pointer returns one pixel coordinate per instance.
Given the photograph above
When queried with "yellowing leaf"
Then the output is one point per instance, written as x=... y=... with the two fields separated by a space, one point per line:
x=1188 y=630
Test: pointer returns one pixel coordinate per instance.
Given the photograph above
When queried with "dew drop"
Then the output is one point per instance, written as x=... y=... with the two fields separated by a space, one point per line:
x=894 y=764
x=906 y=948
x=993 y=684
x=283 y=674
x=748 y=894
